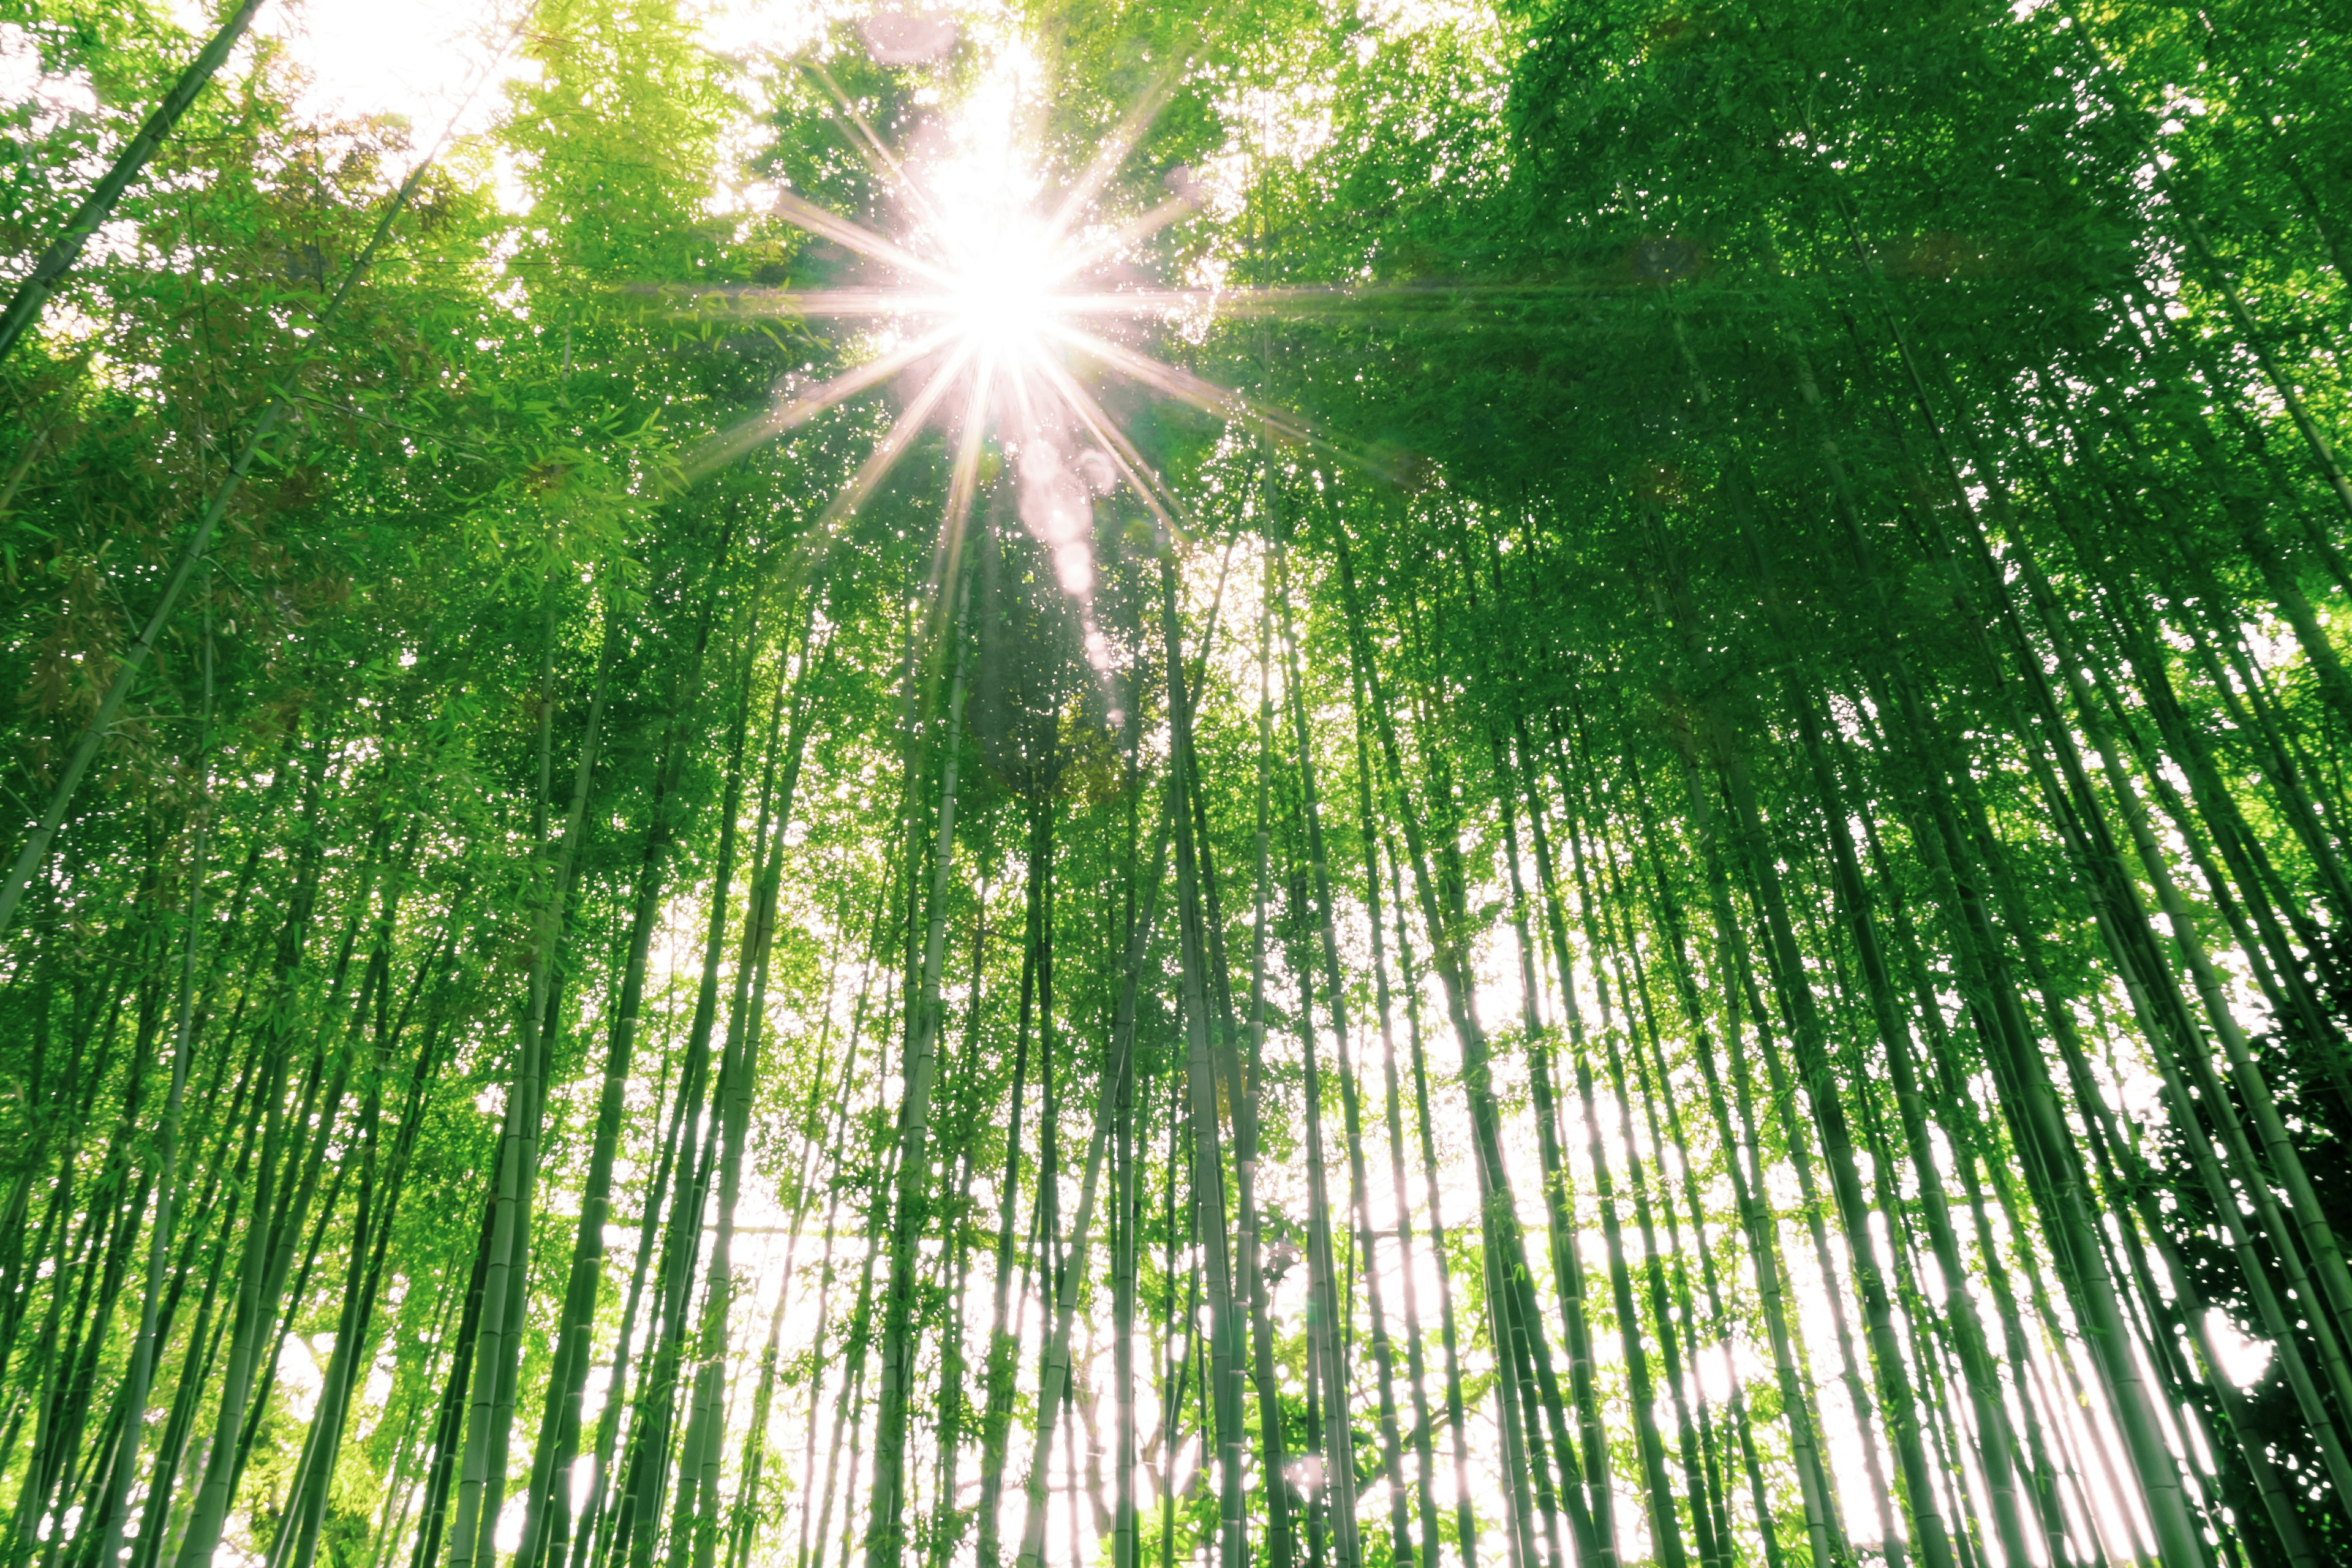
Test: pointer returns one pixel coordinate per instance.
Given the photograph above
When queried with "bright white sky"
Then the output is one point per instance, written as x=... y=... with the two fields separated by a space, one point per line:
x=423 y=58
x=417 y=58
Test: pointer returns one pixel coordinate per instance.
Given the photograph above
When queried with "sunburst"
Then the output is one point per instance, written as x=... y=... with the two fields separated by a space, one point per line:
x=983 y=307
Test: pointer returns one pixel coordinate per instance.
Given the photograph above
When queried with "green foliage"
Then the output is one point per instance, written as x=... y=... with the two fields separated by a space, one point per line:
x=1813 y=547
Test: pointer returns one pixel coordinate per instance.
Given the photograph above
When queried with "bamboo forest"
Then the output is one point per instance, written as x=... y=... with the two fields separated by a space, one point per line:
x=1316 y=783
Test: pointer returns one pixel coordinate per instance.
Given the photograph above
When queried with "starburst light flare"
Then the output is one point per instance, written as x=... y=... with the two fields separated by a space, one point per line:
x=986 y=306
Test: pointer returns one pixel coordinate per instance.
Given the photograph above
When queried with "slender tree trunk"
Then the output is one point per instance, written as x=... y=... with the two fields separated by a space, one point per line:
x=547 y=1505
x=1249 y=1239
x=1568 y=1267
x=909 y=1208
x=1053 y=1378
x=637 y=1523
x=139 y=1377
x=699 y=1465
x=1003 y=1345
x=1200 y=1087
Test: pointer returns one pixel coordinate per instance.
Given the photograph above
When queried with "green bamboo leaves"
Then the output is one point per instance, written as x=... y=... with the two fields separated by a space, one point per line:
x=1776 y=768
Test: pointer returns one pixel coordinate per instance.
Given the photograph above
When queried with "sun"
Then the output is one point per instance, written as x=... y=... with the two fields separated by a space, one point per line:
x=1002 y=297
x=997 y=292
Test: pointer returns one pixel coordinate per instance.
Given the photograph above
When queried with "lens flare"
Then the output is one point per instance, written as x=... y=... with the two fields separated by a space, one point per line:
x=978 y=297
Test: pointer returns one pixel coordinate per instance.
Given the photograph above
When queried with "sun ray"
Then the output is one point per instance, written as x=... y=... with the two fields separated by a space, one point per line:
x=1113 y=153
x=1164 y=504
x=963 y=485
x=725 y=447
x=869 y=145
x=1035 y=438
x=1003 y=291
x=1032 y=441
x=1179 y=384
x=1315 y=299
x=1289 y=303
x=796 y=209
x=1138 y=303
x=1208 y=397
x=1101 y=250
x=824 y=303
x=819 y=541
